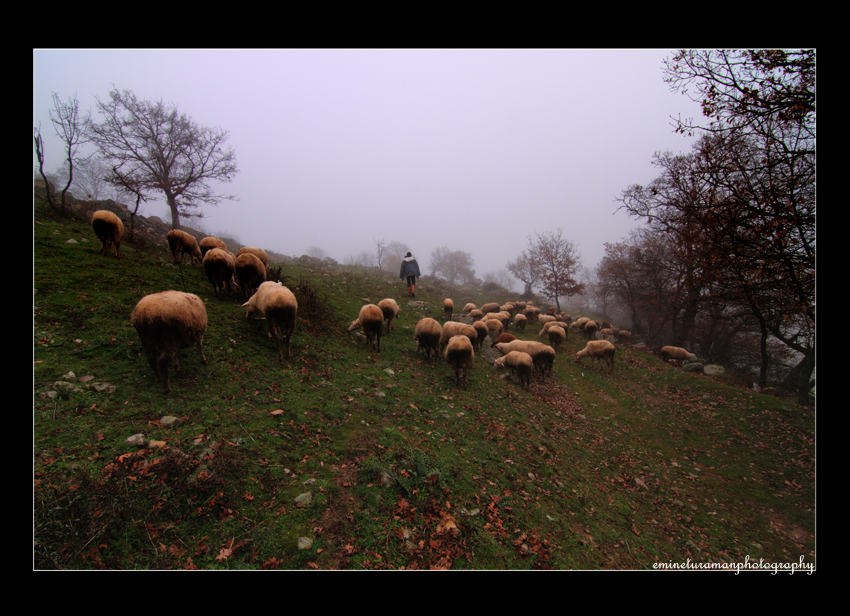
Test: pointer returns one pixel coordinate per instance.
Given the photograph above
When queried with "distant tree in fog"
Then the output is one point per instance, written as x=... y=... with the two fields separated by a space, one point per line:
x=316 y=253
x=452 y=265
x=393 y=255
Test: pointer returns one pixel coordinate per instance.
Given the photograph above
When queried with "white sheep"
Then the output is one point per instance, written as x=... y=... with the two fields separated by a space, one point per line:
x=210 y=242
x=468 y=307
x=520 y=321
x=108 y=229
x=390 y=309
x=279 y=307
x=518 y=362
x=677 y=353
x=427 y=337
x=167 y=322
x=590 y=329
x=476 y=314
x=490 y=307
x=542 y=355
x=598 y=350
x=180 y=243
x=460 y=356
x=219 y=266
x=448 y=308
x=250 y=273
x=257 y=252
x=456 y=328
x=482 y=331
x=371 y=319
x=557 y=335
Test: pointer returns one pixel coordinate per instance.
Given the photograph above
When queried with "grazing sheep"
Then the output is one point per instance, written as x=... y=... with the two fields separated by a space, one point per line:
x=531 y=313
x=448 y=308
x=546 y=318
x=180 y=243
x=491 y=307
x=598 y=350
x=476 y=314
x=519 y=322
x=257 y=252
x=624 y=336
x=468 y=307
x=456 y=328
x=210 y=242
x=390 y=309
x=108 y=229
x=542 y=355
x=427 y=336
x=547 y=326
x=520 y=363
x=371 y=319
x=677 y=353
x=494 y=326
x=460 y=356
x=590 y=329
x=167 y=322
x=503 y=338
x=250 y=273
x=609 y=331
x=220 y=266
x=278 y=305
x=557 y=335
x=579 y=323
x=482 y=331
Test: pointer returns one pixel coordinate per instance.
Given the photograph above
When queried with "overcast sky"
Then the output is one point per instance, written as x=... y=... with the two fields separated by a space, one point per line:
x=471 y=149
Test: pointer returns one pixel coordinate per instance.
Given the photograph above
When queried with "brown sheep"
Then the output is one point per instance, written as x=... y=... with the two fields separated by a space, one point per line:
x=476 y=314
x=427 y=336
x=167 y=322
x=491 y=307
x=677 y=353
x=219 y=266
x=108 y=229
x=180 y=243
x=598 y=350
x=371 y=319
x=460 y=356
x=257 y=252
x=250 y=273
x=542 y=355
x=279 y=307
x=520 y=363
x=456 y=328
x=448 y=308
x=503 y=338
x=590 y=329
x=468 y=307
x=390 y=309
x=210 y=242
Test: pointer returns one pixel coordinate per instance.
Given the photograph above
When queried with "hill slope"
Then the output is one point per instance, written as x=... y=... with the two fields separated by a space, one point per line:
x=403 y=470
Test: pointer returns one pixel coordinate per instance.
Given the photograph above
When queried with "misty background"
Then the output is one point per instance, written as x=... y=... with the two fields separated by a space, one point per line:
x=474 y=150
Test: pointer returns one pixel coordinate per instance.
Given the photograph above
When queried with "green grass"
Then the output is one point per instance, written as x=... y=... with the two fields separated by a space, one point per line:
x=587 y=471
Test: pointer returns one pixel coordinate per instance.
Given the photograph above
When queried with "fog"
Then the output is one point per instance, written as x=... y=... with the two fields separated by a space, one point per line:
x=471 y=149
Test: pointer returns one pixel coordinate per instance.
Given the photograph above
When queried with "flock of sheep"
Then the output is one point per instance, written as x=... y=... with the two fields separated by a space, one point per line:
x=171 y=320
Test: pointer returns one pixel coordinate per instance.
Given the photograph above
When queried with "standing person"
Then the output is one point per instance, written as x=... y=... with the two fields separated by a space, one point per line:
x=410 y=270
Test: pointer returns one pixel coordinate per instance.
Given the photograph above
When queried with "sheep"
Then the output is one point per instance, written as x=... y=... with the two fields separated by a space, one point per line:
x=448 y=308
x=180 y=243
x=482 y=331
x=677 y=353
x=580 y=323
x=427 y=336
x=250 y=273
x=520 y=363
x=624 y=336
x=531 y=313
x=519 y=322
x=491 y=307
x=390 y=309
x=598 y=350
x=257 y=252
x=557 y=335
x=494 y=326
x=371 y=319
x=210 y=242
x=476 y=314
x=546 y=318
x=460 y=356
x=278 y=305
x=167 y=322
x=219 y=266
x=547 y=326
x=108 y=229
x=542 y=355
x=590 y=329
x=455 y=328
x=503 y=338
x=468 y=307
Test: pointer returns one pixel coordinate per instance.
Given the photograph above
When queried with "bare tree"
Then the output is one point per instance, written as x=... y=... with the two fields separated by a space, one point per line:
x=525 y=269
x=380 y=248
x=452 y=265
x=71 y=128
x=155 y=147
x=393 y=255
x=558 y=260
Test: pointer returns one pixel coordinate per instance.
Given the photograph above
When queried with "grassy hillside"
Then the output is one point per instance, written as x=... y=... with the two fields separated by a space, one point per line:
x=403 y=469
